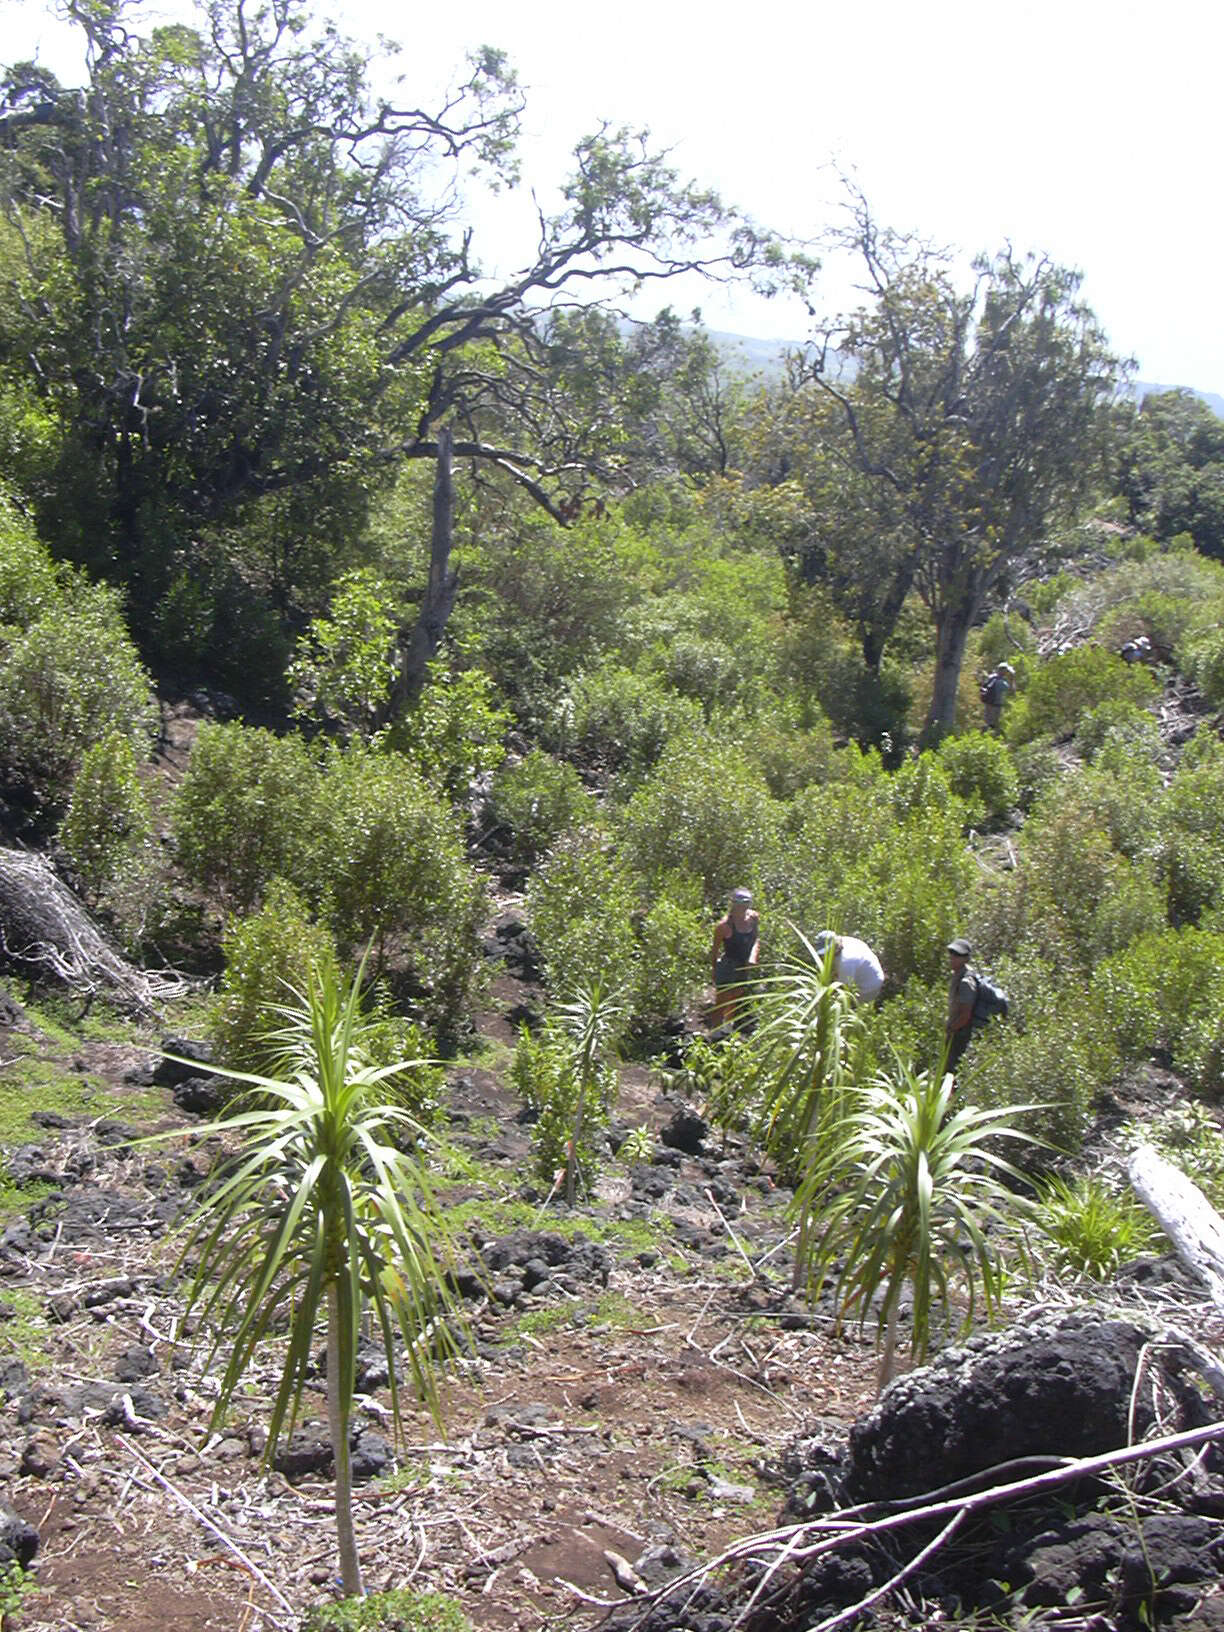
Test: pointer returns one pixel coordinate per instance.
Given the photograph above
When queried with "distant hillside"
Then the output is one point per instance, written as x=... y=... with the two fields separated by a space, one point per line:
x=1145 y=388
x=765 y=357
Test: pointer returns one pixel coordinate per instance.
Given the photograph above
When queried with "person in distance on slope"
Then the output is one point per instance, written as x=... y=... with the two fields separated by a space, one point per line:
x=854 y=963
x=734 y=955
x=962 y=994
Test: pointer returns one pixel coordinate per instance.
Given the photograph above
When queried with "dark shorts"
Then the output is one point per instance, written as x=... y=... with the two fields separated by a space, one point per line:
x=727 y=973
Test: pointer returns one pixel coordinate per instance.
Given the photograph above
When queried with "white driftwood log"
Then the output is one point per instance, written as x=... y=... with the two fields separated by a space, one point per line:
x=1184 y=1214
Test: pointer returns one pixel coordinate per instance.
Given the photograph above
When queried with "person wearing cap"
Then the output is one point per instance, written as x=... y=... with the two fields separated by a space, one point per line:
x=995 y=688
x=962 y=992
x=737 y=946
x=854 y=963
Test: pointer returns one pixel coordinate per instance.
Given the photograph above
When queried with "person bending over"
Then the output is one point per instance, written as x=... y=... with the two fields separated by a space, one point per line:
x=737 y=946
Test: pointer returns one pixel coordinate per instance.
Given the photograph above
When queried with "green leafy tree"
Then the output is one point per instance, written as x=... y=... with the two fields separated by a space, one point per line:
x=323 y=1208
x=108 y=821
x=968 y=421
x=1171 y=469
x=302 y=309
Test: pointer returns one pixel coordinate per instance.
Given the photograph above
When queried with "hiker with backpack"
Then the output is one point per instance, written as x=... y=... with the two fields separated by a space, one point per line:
x=994 y=690
x=973 y=999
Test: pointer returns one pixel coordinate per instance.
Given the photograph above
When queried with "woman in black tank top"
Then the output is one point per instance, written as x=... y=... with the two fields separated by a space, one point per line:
x=737 y=946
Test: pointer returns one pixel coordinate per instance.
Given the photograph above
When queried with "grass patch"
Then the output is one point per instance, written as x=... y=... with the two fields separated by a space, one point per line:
x=24 y=1332
x=396 y=1611
x=32 y=1083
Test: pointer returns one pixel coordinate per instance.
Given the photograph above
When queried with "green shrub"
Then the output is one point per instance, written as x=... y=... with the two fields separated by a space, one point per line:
x=68 y=679
x=580 y=905
x=1119 y=724
x=617 y=720
x=1191 y=848
x=704 y=810
x=1037 y=768
x=454 y=730
x=29 y=578
x=387 y=867
x=533 y=801
x=789 y=756
x=545 y=1075
x=343 y=666
x=671 y=965
x=1165 y=993
x=980 y=771
x=1093 y=1229
x=247 y=811
x=1059 y=1061
x=1201 y=657
x=268 y=956
x=1063 y=690
x=108 y=820
x=1044 y=594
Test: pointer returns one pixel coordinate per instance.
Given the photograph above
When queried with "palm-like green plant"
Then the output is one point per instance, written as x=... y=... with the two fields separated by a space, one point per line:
x=592 y=1019
x=1092 y=1228
x=806 y=1044
x=902 y=1192
x=324 y=1204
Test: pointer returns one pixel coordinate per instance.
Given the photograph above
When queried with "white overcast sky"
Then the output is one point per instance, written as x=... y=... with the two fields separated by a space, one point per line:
x=1085 y=129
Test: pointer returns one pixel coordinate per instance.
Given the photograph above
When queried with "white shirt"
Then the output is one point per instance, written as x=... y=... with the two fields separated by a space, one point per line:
x=858 y=966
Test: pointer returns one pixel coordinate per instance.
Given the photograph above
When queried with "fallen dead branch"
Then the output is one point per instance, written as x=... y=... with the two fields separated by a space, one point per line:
x=772 y=1550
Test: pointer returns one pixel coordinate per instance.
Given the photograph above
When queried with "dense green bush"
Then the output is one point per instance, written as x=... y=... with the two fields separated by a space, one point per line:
x=615 y=719
x=1165 y=994
x=980 y=771
x=1191 y=847
x=1037 y=767
x=703 y=810
x=387 y=867
x=29 y=579
x=1119 y=723
x=580 y=905
x=671 y=964
x=68 y=678
x=1063 y=690
x=108 y=821
x=1057 y=1060
x=1201 y=657
x=455 y=728
x=247 y=811
x=268 y=956
x=533 y=801
x=789 y=754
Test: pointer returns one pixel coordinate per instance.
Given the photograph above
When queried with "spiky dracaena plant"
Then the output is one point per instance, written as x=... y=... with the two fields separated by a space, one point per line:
x=323 y=1205
x=902 y=1193
x=806 y=1045
x=592 y=1019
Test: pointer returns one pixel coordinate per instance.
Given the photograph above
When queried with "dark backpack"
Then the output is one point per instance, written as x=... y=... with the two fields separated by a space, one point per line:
x=990 y=1000
x=993 y=689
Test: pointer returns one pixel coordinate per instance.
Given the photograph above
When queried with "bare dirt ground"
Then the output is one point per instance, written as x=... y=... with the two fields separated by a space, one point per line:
x=597 y=1427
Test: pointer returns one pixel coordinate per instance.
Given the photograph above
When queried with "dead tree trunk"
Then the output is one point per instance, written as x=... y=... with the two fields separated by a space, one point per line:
x=421 y=645
x=1184 y=1214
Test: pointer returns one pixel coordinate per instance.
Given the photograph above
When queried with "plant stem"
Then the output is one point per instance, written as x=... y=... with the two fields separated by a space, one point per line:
x=346 y=1541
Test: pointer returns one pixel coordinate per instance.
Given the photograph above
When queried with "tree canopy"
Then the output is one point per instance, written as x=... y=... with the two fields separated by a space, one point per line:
x=241 y=291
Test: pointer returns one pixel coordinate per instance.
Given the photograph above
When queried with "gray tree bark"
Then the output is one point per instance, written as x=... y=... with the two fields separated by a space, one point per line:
x=1184 y=1214
x=420 y=646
